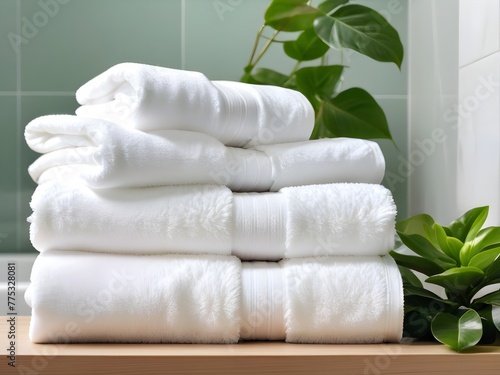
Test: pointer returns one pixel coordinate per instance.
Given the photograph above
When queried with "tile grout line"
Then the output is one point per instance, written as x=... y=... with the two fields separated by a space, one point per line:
x=183 y=34
x=409 y=87
x=18 y=132
x=37 y=93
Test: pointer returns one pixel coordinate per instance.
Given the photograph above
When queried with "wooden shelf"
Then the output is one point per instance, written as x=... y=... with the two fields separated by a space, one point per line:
x=243 y=358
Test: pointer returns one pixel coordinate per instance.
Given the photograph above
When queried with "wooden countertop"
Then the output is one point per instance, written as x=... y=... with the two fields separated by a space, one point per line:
x=243 y=358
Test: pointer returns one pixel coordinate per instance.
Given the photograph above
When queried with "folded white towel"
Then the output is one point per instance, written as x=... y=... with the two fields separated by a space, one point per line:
x=355 y=300
x=330 y=219
x=82 y=297
x=238 y=114
x=106 y=155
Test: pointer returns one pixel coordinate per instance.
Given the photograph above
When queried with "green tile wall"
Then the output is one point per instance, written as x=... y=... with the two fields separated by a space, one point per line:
x=66 y=42
x=9 y=168
x=8 y=58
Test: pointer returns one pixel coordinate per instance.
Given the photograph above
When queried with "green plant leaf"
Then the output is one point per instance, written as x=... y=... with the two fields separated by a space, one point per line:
x=492 y=298
x=493 y=272
x=467 y=252
x=269 y=77
x=248 y=78
x=426 y=249
x=485 y=259
x=361 y=29
x=409 y=277
x=419 y=264
x=418 y=224
x=411 y=290
x=457 y=280
x=489 y=332
x=330 y=5
x=308 y=46
x=318 y=82
x=495 y=316
x=291 y=15
x=451 y=246
x=417 y=323
x=354 y=113
x=457 y=332
x=487 y=238
x=468 y=225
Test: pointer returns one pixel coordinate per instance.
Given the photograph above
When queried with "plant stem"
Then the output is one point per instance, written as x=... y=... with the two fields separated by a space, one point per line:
x=295 y=68
x=316 y=130
x=263 y=50
x=255 y=44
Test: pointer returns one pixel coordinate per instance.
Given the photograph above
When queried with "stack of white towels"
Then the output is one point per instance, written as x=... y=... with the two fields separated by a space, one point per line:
x=176 y=209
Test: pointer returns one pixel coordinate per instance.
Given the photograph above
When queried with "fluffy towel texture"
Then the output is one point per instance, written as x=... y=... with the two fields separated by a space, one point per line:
x=155 y=98
x=107 y=155
x=84 y=297
x=335 y=219
x=338 y=219
x=343 y=300
x=81 y=297
x=150 y=220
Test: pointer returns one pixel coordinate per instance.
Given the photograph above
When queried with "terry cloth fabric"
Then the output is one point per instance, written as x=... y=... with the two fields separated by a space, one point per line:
x=334 y=219
x=343 y=300
x=106 y=155
x=84 y=297
x=151 y=98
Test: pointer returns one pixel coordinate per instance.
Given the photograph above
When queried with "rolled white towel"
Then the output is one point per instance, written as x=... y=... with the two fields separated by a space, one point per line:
x=104 y=155
x=84 y=297
x=150 y=98
x=330 y=219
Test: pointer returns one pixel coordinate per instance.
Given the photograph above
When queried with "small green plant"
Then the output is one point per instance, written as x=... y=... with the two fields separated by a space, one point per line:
x=461 y=258
x=332 y=25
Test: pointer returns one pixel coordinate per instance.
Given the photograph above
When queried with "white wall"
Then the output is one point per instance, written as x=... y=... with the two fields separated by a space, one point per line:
x=454 y=124
x=433 y=92
x=479 y=122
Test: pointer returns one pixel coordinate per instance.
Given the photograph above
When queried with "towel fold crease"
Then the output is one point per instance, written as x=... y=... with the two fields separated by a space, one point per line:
x=150 y=98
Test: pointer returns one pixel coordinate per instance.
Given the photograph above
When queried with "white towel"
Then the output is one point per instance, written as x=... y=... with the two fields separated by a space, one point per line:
x=84 y=297
x=81 y=297
x=330 y=219
x=354 y=300
x=238 y=114
x=106 y=155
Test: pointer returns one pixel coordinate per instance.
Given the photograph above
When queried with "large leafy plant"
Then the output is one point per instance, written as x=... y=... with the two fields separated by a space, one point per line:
x=463 y=259
x=333 y=24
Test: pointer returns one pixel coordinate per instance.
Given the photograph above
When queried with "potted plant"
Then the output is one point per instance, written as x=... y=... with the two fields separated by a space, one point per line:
x=332 y=25
x=464 y=260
